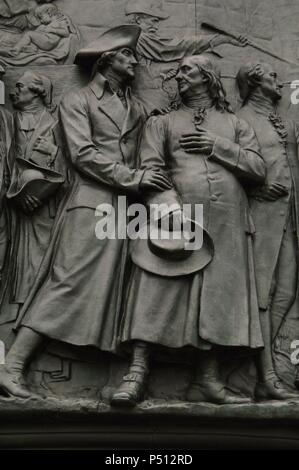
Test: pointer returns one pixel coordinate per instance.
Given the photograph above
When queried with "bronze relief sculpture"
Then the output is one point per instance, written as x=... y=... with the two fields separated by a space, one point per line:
x=7 y=131
x=36 y=34
x=160 y=55
x=36 y=157
x=153 y=48
x=205 y=167
x=101 y=125
x=129 y=308
x=274 y=212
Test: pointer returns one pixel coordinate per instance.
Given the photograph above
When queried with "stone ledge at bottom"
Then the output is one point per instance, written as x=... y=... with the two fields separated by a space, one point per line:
x=85 y=424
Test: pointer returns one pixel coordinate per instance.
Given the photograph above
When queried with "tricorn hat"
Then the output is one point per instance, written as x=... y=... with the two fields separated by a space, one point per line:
x=33 y=179
x=169 y=257
x=147 y=7
x=115 y=38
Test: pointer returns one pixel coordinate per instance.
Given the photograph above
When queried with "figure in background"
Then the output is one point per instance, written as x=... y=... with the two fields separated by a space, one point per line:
x=208 y=153
x=6 y=140
x=37 y=33
x=274 y=209
x=11 y=8
x=152 y=48
x=159 y=56
x=37 y=174
x=78 y=301
x=54 y=26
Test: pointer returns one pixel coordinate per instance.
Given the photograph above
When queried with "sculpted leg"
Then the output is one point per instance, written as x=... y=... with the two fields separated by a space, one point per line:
x=11 y=374
x=286 y=281
x=208 y=386
x=269 y=385
x=131 y=390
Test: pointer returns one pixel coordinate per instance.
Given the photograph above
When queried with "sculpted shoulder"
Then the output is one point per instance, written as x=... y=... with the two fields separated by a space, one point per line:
x=158 y=120
x=163 y=115
x=138 y=103
x=240 y=120
x=247 y=113
x=75 y=97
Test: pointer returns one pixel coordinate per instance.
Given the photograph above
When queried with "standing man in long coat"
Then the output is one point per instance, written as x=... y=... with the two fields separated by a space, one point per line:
x=275 y=212
x=208 y=153
x=78 y=301
x=31 y=220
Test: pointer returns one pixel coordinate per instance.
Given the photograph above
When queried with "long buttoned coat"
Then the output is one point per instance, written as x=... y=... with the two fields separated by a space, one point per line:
x=6 y=137
x=221 y=307
x=270 y=218
x=78 y=293
x=30 y=233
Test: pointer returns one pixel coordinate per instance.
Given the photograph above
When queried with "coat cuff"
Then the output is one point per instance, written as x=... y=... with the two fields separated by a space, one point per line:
x=138 y=178
x=127 y=179
x=138 y=175
x=226 y=152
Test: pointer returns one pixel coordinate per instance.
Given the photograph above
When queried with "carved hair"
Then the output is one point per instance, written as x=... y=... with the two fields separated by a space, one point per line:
x=216 y=89
x=134 y=17
x=42 y=87
x=51 y=10
x=249 y=78
x=103 y=62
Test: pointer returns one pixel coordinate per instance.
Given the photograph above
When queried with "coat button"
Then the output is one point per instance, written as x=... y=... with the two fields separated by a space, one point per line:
x=214 y=198
x=282 y=213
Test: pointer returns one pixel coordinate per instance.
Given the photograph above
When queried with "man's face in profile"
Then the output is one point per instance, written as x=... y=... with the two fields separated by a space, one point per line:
x=124 y=63
x=23 y=95
x=148 y=24
x=270 y=84
x=189 y=77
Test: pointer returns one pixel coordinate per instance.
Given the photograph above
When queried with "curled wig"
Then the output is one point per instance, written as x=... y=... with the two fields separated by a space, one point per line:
x=248 y=79
x=216 y=89
x=42 y=86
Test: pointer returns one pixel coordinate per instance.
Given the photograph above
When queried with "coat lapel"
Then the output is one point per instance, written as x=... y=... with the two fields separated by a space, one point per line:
x=112 y=107
x=132 y=117
x=109 y=104
x=43 y=127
